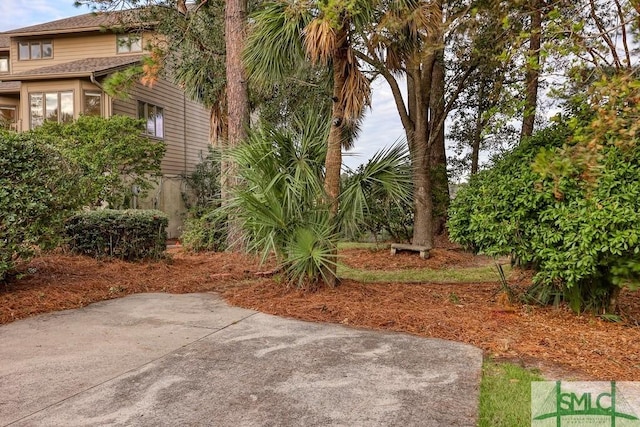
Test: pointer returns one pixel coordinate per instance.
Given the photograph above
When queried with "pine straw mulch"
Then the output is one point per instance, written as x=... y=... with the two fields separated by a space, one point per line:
x=558 y=342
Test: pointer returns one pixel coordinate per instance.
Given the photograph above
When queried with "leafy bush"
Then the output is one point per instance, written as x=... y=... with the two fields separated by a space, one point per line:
x=497 y=209
x=37 y=190
x=570 y=209
x=112 y=152
x=205 y=228
x=128 y=234
x=204 y=184
x=206 y=232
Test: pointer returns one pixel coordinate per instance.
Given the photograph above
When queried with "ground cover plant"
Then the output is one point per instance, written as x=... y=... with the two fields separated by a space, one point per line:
x=560 y=343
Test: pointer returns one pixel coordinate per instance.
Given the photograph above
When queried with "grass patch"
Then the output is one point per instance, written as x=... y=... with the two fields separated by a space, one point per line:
x=458 y=275
x=505 y=395
x=363 y=245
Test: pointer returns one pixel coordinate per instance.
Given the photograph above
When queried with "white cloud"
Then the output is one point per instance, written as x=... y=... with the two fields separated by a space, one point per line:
x=381 y=127
x=22 y=13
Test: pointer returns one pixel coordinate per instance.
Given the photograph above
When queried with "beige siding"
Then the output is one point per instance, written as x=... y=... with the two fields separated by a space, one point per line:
x=186 y=136
x=197 y=133
x=69 y=48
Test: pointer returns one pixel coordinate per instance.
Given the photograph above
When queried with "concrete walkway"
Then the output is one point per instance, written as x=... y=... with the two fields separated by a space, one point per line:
x=192 y=360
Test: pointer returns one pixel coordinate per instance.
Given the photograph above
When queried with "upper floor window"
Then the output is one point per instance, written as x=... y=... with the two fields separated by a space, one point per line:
x=53 y=106
x=155 y=119
x=4 y=63
x=127 y=43
x=35 y=49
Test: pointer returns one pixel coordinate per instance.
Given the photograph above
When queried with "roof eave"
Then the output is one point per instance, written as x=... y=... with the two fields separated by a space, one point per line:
x=54 y=76
x=65 y=31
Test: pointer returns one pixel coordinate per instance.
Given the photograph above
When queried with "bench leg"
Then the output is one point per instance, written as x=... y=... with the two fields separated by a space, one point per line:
x=423 y=254
x=393 y=251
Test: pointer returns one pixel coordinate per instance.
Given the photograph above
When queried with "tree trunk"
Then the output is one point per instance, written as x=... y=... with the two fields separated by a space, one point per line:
x=422 y=193
x=533 y=70
x=333 y=161
x=237 y=105
x=438 y=165
x=477 y=132
x=420 y=151
x=612 y=304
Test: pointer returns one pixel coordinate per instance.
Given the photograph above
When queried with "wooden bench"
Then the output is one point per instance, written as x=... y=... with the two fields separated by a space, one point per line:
x=424 y=250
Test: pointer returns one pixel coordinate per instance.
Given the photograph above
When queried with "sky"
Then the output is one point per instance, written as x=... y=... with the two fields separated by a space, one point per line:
x=380 y=128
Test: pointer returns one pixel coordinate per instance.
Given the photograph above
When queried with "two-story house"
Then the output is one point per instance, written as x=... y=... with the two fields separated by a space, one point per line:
x=54 y=71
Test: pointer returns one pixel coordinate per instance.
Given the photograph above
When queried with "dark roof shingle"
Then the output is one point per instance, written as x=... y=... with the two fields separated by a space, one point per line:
x=9 y=87
x=88 y=22
x=4 y=42
x=81 y=67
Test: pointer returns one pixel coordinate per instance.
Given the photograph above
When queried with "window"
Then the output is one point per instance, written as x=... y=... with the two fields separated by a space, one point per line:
x=92 y=103
x=52 y=106
x=35 y=49
x=7 y=116
x=127 y=43
x=154 y=117
x=4 y=64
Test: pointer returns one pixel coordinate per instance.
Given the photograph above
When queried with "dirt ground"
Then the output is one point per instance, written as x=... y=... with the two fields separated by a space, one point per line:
x=554 y=340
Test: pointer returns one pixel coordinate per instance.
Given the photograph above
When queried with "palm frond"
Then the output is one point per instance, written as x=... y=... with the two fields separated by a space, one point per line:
x=385 y=177
x=320 y=41
x=356 y=91
x=274 y=44
x=280 y=204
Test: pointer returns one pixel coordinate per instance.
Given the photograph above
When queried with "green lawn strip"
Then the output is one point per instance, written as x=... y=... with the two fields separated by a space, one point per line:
x=487 y=273
x=505 y=395
x=363 y=245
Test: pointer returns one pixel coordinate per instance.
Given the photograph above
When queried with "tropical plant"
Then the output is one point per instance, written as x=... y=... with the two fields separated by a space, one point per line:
x=286 y=33
x=38 y=188
x=282 y=205
x=380 y=210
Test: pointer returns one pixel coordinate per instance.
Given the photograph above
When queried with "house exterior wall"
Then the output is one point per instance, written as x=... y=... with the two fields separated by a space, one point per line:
x=186 y=135
x=68 y=48
x=186 y=123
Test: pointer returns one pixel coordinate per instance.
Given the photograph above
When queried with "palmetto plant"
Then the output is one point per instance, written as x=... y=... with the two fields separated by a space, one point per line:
x=282 y=205
x=285 y=33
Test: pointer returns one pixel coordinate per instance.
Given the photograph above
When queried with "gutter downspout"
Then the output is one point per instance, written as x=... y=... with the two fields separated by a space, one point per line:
x=107 y=105
x=184 y=118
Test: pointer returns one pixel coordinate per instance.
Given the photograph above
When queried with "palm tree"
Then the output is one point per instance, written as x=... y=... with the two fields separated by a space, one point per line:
x=408 y=39
x=281 y=203
x=286 y=32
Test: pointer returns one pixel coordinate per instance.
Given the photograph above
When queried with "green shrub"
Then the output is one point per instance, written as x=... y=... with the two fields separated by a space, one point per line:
x=570 y=210
x=204 y=184
x=129 y=234
x=37 y=190
x=113 y=153
x=206 y=232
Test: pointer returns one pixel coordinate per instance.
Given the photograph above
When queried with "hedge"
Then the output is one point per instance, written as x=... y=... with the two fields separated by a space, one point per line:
x=125 y=234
